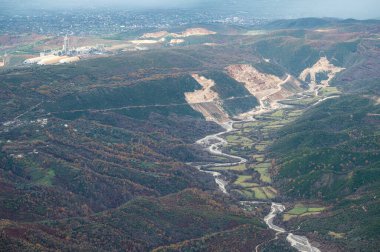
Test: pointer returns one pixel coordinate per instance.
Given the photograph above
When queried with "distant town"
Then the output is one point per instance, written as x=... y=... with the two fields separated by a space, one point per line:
x=51 y=37
x=100 y=22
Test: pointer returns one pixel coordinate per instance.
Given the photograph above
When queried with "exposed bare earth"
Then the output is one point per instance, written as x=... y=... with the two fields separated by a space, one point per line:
x=207 y=101
x=176 y=41
x=118 y=47
x=212 y=111
x=155 y=35
x=51 y=60
x=283 y=92
x=325 y=30
x=322 y=66
x=69 y=60
x=210 y=44
x=187 y=33
x=194 y=32
x=265 y=87
x=143 y=41
x=206 y=94
x=377 y=99
x=257 y=83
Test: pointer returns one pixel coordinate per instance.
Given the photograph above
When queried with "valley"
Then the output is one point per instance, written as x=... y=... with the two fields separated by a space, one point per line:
x=258 y=184
x=268 y=141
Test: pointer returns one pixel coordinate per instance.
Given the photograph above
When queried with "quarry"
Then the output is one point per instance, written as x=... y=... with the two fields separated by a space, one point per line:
x=320 y=74
x=207 y=101
x=268 y=89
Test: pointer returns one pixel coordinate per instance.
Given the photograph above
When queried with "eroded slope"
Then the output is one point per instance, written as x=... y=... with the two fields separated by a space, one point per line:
x=207 y=101
x=186 y=33
x=269 y=89
x=321 y=73
x=221 y=97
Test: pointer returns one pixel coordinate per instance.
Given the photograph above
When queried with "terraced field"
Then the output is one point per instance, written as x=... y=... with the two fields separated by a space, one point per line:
x=300 y=210
x=251 y=140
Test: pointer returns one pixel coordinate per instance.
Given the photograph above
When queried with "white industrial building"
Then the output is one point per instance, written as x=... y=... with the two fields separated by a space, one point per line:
x=66 y=55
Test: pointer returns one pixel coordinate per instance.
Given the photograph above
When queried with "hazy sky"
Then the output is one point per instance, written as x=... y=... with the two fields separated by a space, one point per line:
x=363 y=9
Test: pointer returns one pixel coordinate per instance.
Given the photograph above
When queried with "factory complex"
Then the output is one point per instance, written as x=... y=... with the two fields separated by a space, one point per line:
x=66 y=55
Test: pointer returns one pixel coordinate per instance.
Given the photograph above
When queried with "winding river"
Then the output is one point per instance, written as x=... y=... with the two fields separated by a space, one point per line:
x=213 y=144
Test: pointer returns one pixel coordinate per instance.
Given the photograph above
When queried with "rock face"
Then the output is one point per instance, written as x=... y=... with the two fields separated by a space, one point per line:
x=207 y=101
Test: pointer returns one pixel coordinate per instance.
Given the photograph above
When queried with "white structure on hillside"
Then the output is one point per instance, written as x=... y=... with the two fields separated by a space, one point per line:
x=65 y=47
x=3 y=60
x=66 y=55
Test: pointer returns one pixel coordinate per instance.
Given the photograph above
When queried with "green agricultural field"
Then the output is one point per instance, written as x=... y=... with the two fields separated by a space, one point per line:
x=250 y=124
x=258 y=158
x=301 y=210
x=264 y=192
x=260 y=147
x=37 y=173
x=316 y=209
x=230 y=168
x=302 y=102
x=259 y=193
x=329 y=91
x=270 y=192
x=47 y=179
x=298 y=209
x=264 y=165
x=248 y=194
x=278 y=114
x=232 y=138
x=274 y=126
x=238 y=140
x=264 y=175
x=242 y=181
x=263 y=168
x=294 y=114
